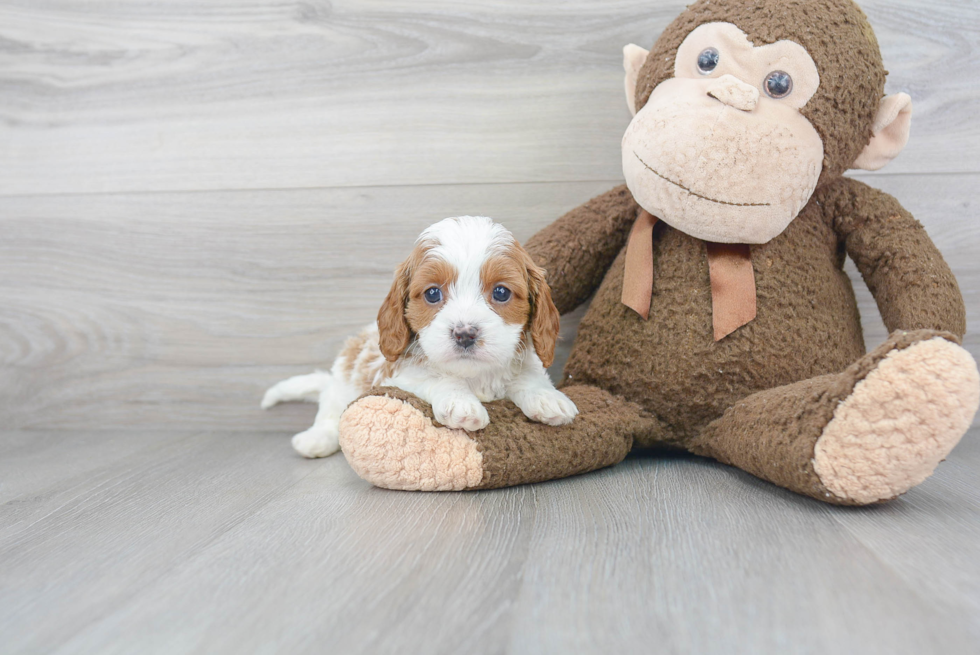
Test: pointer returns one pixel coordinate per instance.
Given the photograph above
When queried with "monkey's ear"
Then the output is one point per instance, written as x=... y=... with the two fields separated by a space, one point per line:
x=891 y=132
x=633 y=58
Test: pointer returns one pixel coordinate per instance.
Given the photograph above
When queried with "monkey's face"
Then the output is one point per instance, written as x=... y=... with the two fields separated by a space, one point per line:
x=721 y=150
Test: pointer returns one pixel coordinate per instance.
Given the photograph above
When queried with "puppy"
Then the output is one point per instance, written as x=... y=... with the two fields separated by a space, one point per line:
x=469 y=319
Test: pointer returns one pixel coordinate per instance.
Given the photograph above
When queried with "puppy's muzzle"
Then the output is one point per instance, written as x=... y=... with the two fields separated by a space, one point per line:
x=465 y=336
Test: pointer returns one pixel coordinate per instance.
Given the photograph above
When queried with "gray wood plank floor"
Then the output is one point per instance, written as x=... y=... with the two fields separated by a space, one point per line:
x=199 y=199
x=223 y=542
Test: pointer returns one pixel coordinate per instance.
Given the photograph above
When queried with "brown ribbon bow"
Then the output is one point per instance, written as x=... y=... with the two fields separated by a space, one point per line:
x=733 y=301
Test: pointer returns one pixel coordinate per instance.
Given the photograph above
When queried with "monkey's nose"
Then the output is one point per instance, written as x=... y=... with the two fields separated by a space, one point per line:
x=733 y=92
x=465 y=335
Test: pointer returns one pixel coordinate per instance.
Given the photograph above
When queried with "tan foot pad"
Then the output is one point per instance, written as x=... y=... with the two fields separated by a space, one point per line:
x=899 y=422
x=392 y=445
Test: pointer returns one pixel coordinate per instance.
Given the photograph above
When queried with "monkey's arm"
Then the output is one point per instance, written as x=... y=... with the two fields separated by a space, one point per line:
x=907 y=276
x=578 y=248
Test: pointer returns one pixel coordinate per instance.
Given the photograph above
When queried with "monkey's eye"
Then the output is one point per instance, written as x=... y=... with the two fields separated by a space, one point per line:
x=501 y=294
x=708 y=60
x=778 y=84
x=433 y=295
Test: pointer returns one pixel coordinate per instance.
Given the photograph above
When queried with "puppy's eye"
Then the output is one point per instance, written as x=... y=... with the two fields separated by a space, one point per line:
x=433 y=295
x=708 y=60
x=501 y=294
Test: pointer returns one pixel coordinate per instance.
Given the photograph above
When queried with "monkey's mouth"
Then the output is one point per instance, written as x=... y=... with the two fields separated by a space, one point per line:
x=694 y=193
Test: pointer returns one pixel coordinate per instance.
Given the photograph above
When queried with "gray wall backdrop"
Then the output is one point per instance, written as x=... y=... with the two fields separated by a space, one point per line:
x=200 y=198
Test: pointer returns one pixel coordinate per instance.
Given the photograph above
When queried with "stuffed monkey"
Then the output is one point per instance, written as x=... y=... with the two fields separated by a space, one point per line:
x=723 y=323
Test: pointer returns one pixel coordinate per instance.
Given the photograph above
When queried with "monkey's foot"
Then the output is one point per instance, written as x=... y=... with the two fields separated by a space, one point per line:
x=899 y=422
x=393 y=445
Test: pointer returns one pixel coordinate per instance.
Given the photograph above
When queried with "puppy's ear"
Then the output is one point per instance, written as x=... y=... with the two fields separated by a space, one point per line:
x=545 y=319
x=393 y=330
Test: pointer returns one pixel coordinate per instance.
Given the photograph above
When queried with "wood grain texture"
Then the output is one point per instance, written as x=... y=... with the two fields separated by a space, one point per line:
x=161 y=309
x=149 y=96
x=222 y=543
x=178 y=310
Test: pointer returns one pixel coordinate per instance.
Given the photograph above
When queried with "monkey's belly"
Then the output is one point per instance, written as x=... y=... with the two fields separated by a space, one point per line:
x=807 y=325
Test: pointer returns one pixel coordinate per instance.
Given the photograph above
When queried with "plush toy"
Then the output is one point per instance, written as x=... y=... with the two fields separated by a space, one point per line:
x=722 y=322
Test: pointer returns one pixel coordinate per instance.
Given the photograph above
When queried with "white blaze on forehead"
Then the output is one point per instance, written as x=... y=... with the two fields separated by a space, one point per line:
x=466 y=242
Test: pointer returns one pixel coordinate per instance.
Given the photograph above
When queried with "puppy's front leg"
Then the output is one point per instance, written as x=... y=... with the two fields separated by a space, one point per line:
x=537 y=397
x=453 y=404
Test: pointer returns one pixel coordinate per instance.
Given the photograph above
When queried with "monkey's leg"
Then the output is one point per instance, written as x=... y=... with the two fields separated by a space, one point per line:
x=392 y=441
x=867 y=434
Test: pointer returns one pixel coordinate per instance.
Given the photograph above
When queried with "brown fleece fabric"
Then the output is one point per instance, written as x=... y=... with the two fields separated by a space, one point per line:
x=909 y=279
x=584 y=242
x=838 y=37
x=518 y=451
x=807 y=323
x=771 y=434
x=807 y=329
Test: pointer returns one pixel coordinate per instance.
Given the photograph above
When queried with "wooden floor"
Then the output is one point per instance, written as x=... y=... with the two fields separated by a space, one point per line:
x=220 y=542
x=198 y=199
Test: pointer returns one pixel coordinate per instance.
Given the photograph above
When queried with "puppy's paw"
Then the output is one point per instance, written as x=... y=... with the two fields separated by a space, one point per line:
x=461 y=412
x=317 y=442
x=548 y=406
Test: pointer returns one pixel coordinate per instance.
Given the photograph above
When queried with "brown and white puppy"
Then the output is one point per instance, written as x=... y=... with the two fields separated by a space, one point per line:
x=469 y=319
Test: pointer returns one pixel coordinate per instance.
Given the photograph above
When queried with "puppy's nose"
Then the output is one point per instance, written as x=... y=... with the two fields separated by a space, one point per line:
x=465 y=335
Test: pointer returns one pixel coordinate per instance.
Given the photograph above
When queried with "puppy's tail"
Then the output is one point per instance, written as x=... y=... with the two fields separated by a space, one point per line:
x=302 y=387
